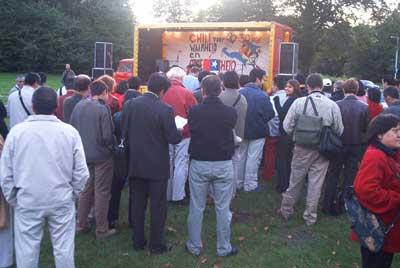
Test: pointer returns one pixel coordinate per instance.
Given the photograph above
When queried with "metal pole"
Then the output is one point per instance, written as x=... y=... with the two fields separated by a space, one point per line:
x=396 y=68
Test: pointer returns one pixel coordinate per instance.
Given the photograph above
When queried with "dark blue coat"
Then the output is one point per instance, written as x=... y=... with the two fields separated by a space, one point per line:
x=259 y=112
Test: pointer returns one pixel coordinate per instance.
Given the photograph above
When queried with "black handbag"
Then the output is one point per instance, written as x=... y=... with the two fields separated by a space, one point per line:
x=121 y=159
x=330 y=144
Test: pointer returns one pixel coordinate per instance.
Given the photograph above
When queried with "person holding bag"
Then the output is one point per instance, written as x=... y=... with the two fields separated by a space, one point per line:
x=377 y=188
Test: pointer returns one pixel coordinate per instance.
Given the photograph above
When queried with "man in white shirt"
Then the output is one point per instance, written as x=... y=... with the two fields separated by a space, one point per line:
x=20 y=101
x=43 y=170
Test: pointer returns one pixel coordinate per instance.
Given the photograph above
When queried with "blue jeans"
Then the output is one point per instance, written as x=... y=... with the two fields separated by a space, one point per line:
x=218 y=175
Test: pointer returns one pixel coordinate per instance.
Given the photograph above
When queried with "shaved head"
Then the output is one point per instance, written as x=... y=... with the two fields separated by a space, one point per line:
x=82 y=82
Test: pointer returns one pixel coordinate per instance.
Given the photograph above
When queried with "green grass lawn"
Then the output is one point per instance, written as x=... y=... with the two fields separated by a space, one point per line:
x=7 y=81
x=264 y=240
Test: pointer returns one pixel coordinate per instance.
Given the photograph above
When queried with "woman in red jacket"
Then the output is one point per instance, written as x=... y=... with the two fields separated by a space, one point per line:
x=377 y=185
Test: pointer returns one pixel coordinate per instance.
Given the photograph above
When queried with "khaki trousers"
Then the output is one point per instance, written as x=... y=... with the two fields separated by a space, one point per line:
x=98 y=192
x=305 y=161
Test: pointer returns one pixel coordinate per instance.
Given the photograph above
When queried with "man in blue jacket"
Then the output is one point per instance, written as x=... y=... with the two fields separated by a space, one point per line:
x=259 y=112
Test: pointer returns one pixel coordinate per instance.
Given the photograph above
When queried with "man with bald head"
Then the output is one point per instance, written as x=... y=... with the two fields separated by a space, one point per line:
x=68 y=73
x=81 y=87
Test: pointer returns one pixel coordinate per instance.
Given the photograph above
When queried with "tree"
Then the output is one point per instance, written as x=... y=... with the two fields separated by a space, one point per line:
x=174 y=10
x=315 y=16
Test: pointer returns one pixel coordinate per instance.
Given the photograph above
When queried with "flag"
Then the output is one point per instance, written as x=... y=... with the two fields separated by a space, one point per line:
x=206 y=65
x=214 y=65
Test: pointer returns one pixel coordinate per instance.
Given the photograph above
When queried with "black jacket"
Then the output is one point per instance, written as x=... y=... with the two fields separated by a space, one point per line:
x=211 y=125
x=355 y=119
x=337 y=95
x=148 y=127
x=283 y=110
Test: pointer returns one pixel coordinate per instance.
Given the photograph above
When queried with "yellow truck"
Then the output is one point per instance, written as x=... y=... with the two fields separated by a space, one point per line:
x=218 y=47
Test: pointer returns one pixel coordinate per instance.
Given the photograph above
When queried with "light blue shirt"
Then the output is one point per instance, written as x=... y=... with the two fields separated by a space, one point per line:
x=191 y=82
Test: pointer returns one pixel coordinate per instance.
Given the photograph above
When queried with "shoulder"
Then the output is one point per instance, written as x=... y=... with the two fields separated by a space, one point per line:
x=375 y=155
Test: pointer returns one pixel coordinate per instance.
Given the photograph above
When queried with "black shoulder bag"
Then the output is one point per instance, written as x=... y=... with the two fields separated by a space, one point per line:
x=22 y=103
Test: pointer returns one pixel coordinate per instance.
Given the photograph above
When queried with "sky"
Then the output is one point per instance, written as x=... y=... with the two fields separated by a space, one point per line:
x=144 y=14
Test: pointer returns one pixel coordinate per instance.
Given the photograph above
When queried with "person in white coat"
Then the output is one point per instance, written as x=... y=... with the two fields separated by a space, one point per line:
x=42 y=171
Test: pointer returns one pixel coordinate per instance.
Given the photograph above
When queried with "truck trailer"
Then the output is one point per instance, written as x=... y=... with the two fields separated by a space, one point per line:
x=217 y=47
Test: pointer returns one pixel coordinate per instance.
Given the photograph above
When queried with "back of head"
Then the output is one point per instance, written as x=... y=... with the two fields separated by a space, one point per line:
x=244 y=79
x=301 y=78
x=203 y=74
x=82 y=83
x=280 y=81
x=98 y=87
x=130 y=95
x=361 y=89
x=211 y=86
x=195 y=70
x=255 y=74
x=44 y=101
x=380 y=125
x=176 y=73
x=109 y=81
x=389 y=80
x=338 y=85
x=350 y=86
x=43 y=78
x=231 y=79
x=134 y=82
x=69 y=82
x=391 y=92
x=122 y=87
x=374 y=94
x=314 y=81
x=31 y=79
x=157 y=83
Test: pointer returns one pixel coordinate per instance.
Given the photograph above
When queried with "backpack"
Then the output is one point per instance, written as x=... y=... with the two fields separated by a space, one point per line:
x=370 y=229
x=307 y=131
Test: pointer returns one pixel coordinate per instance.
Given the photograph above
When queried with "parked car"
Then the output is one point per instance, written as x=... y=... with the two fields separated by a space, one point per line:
x=124 y=70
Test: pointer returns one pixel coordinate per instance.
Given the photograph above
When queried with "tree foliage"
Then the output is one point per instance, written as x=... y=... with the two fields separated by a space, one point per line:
x=44 y=35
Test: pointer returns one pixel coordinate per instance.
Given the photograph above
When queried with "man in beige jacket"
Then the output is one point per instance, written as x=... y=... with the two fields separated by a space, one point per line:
x=309 y=161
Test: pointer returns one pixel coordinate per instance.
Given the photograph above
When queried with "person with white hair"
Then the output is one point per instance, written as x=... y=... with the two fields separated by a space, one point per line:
x=181 y=100
x=19 y=83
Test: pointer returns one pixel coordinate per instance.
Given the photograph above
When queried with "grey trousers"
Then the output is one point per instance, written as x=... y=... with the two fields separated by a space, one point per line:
x=179 y=164
x=219 y=175
x=29 y=225
x=250 y=153
x=305 y=161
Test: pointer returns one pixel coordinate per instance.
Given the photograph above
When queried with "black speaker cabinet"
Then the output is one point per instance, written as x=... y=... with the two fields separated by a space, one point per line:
x=289 y=58
x=97 y=72
x=103 y=54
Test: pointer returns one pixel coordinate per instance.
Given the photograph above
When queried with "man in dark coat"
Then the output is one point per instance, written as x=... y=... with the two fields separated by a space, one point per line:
x=148 y=126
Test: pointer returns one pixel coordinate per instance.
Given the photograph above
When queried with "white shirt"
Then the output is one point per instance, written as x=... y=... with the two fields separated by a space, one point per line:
x=15 y=110
x=43 y=164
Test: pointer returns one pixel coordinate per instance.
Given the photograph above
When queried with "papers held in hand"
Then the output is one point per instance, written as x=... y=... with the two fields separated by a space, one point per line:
x=180 y=122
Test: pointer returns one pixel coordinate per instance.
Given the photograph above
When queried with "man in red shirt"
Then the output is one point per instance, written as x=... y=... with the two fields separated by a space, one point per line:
x=181 y=100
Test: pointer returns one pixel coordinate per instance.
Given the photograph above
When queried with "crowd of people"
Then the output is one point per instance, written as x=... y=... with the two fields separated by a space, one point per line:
x=192 y=136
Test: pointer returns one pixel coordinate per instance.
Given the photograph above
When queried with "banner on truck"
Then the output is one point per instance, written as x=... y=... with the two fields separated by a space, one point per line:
x=218 y=51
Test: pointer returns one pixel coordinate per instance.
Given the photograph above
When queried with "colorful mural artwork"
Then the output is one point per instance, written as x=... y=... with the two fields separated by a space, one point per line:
x=218 y=51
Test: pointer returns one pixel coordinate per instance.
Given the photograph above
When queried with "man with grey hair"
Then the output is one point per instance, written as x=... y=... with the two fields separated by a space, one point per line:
x=338 y=93
x=19 y=84
x=181 y=100
x=68 y=73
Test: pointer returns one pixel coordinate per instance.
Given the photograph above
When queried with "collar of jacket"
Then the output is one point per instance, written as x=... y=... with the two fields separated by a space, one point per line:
x=151 y=94
x=350 y=97
x=212 y=99
x=42 y=117
x=317 y=91
x=388 y=151
x=252 y=85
